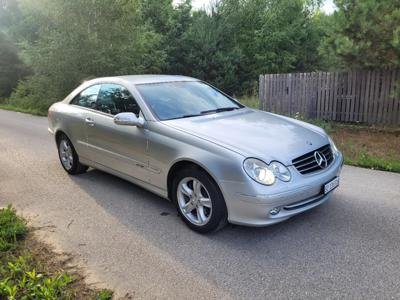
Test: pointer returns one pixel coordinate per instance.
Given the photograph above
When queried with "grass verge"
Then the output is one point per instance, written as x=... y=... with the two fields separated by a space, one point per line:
x=374 y=163
x=35 y=112
x=29 y=269
x=369 y=147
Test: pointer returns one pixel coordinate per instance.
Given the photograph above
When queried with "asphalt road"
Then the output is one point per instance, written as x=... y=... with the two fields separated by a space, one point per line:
x=133 y=242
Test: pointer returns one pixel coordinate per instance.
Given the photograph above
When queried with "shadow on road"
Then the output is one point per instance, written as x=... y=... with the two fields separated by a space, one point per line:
x=315 y=247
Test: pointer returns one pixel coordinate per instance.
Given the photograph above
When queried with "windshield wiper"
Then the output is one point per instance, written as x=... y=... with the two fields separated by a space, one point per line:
x=205 y=112
x=189 y=116
x=218 y=110
x=184 y=116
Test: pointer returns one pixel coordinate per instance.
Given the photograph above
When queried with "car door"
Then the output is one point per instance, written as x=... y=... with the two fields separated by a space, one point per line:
x=118 y=147
x=77 y=127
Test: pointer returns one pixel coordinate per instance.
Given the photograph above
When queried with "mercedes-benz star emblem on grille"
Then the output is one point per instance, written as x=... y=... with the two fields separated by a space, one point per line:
x=320 y=159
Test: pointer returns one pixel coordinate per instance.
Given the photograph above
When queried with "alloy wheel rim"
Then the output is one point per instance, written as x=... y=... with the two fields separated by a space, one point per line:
x=194 y=201
x=66 y=156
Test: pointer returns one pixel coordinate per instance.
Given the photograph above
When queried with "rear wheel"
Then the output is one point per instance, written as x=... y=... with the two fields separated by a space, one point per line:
x=199 y=201
x=68 y=157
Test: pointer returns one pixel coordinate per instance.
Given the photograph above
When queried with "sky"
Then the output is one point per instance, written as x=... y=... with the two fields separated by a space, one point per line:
x=328 y=7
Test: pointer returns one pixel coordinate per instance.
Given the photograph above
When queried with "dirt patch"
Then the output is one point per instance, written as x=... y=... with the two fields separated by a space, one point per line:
x=355 y=142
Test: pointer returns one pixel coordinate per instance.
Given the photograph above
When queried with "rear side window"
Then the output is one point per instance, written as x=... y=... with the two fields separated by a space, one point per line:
x=88 y=97
x=114 y=99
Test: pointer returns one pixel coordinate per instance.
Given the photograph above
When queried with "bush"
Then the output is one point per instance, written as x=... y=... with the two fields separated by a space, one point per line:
x=34 y=94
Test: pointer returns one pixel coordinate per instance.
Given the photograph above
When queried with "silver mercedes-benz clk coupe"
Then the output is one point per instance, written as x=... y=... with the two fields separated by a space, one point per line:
x=181 y=138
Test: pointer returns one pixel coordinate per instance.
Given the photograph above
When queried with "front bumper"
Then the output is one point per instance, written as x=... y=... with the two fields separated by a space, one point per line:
x=252 y=206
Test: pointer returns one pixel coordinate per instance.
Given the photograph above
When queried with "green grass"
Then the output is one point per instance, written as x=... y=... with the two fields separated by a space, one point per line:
x=104 y=295
x=374 y=162
x=12 y=228
x=250 y=101
x=29 y=270
x=31 y=111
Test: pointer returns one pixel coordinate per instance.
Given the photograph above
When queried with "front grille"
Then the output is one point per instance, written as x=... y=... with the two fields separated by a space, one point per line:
x=307 y=163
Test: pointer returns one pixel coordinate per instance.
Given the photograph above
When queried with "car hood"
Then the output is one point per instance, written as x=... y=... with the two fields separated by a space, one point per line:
x=254 y=133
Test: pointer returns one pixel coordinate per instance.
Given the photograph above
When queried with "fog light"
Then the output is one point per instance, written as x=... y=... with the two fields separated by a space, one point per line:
x=275 y=211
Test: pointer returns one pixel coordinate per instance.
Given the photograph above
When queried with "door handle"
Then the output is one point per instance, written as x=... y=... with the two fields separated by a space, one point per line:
x=89 y=121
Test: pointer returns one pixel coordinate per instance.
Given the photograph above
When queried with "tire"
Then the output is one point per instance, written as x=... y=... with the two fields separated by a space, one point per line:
x=199 y=200
x=69 y=159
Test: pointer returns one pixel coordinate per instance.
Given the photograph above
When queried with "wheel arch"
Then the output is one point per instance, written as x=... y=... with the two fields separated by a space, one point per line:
x=59 y=133
x=184 y=163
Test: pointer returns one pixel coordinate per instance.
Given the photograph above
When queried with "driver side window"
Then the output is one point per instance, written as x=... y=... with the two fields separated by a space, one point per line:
x=114 y=99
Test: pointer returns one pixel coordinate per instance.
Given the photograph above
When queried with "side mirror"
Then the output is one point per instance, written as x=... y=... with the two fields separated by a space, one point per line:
x=128 y=119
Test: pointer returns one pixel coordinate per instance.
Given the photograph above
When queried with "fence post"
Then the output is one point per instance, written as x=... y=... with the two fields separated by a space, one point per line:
x=261 y=92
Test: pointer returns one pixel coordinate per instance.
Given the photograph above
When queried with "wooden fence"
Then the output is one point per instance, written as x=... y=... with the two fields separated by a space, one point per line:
x=353 y=96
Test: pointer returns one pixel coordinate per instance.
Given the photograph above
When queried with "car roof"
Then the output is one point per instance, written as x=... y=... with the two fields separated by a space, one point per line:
x=142 y=79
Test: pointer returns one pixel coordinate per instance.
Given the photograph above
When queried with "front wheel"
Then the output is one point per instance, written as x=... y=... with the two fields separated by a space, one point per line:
x=199 y=201
x=68 y=157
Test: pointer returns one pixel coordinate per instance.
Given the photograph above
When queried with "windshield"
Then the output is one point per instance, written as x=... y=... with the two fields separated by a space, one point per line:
x=183 y=99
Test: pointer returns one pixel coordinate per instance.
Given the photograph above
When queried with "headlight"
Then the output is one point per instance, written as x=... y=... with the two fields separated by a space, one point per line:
x=280 y=171
x=266 y=174
x=259 y=171
x=333 y=146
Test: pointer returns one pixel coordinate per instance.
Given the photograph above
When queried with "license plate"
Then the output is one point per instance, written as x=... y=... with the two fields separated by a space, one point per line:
x=331 y=185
